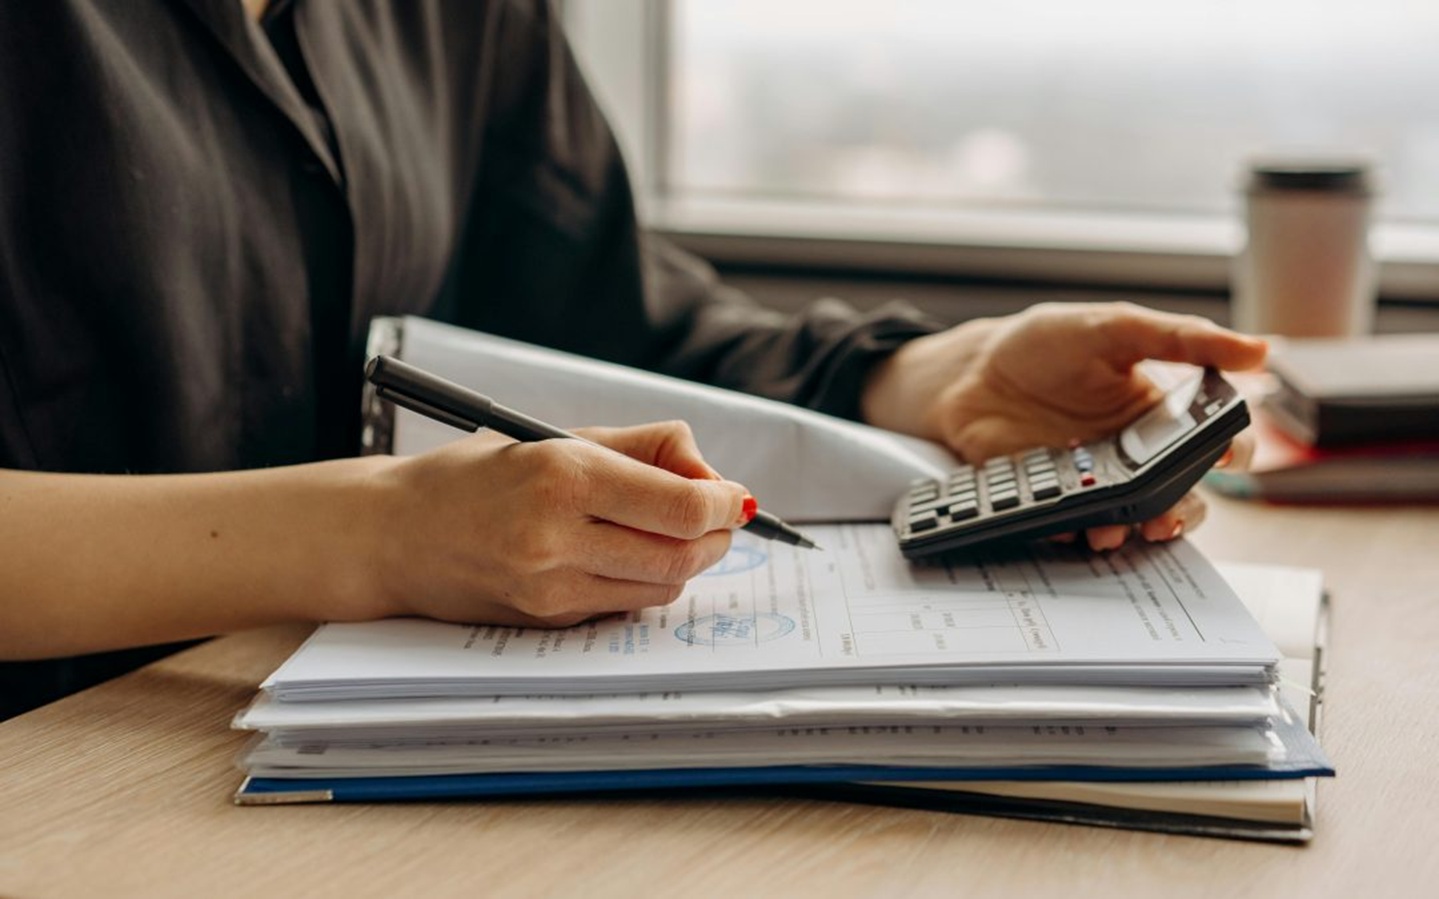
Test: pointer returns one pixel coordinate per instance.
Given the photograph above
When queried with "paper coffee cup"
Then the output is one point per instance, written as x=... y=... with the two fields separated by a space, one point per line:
x=1306 y=270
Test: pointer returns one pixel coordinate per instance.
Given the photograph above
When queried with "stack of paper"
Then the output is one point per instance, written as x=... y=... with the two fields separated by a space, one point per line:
x=1290 y=605
x=784 y=666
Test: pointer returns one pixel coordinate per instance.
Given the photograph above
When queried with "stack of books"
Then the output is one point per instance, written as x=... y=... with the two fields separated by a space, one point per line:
x=1346 y=421
x=1133 y=688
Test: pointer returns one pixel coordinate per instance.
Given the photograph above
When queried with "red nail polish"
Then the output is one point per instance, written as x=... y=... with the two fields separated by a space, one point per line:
x=748 y=510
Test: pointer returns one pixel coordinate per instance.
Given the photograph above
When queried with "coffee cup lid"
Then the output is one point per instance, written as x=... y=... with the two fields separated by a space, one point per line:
x=1331 y=176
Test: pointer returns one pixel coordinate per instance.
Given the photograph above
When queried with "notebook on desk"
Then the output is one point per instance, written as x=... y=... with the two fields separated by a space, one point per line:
x=1366 y=390
x=1285 y=469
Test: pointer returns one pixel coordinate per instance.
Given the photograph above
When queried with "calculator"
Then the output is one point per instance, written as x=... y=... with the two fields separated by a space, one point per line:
x=1130 y=477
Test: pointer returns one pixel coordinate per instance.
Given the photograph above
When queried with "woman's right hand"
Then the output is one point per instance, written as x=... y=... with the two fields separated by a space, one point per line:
x=549 y=534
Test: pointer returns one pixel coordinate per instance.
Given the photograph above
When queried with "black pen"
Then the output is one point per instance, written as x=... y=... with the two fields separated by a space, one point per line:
x=448 y=402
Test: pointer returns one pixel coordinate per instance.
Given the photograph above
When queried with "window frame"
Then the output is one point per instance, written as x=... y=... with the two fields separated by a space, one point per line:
x=625 y=48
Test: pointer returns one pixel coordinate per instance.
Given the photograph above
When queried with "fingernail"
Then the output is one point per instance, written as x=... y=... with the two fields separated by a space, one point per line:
x=1178 y=529
x=748 y=510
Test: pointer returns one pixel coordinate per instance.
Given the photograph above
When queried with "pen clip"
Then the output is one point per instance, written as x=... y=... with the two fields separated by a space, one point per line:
x=424 y=408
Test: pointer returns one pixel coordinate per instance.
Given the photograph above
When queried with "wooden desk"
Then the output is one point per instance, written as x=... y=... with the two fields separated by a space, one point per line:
x=125 y=789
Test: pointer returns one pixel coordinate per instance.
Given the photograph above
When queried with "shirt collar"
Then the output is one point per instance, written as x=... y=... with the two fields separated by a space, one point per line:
x=244 y=41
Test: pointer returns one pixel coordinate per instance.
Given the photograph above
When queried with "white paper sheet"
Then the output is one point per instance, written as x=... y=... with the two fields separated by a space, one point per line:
x=893 y=746
x=1284 y=600
x=774 y=616
x=518 y=716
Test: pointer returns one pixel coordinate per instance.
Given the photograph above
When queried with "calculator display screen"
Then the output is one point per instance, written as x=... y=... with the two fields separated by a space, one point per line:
x=1161 y=427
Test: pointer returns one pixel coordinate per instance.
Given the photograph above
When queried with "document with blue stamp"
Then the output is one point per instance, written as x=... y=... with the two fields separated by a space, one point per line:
x=770 y=616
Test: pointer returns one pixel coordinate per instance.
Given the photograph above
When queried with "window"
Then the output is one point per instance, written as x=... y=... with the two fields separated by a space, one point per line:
x=1104 y=138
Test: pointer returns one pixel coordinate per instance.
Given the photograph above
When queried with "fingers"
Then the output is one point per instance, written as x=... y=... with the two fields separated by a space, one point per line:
x=1132 y=333
x=1109 y=536
x=640 y=496
x=664 y=444
x=576 y=598
x=613 y=486
x=611 y=551
x=1239 y=454
x=606 y=570
x=557 y=531
x=1185 y=516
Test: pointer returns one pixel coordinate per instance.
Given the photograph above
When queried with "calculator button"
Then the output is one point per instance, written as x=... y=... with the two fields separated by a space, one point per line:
x=1086 y=479
x=1005 y=500
x=933 y=505
x=1045 y=489
x=927 y=522
x=924 y=496
x=964 y=496
x=963 y=512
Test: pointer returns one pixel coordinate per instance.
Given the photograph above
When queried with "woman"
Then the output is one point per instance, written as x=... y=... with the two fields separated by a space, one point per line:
x=203 y=204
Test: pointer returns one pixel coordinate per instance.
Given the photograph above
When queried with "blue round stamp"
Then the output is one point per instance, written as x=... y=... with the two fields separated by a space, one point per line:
x=735 y=630
x=739 y=559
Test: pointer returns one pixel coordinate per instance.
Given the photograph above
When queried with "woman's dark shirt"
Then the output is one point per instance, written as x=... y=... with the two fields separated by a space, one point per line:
x=198 y=220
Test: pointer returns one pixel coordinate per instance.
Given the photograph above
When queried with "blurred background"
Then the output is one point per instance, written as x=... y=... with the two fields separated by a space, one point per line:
x=1075 y=142
x=1128 y=104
